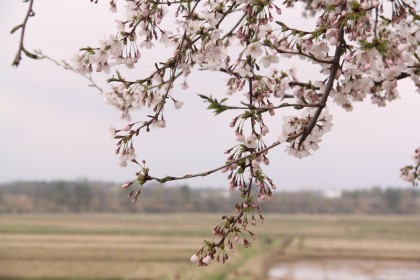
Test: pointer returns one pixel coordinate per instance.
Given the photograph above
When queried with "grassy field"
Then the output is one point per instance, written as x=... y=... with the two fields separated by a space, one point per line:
x=122 y=246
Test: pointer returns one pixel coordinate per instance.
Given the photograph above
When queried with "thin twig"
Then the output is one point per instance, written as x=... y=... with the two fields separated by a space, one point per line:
x=234 y=27
x=376 y=23
x=206 y=173
x=303 y=54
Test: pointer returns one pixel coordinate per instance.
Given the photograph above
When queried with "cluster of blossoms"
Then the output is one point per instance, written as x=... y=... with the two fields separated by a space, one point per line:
x=361 y=48
x=233 y=230
x=108 y=54
x=360 y=53
x=302 y=145
x=142 y=19
x=411 y=173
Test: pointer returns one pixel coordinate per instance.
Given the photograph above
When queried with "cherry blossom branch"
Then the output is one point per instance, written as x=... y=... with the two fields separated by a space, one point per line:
x=264 y=109
x=159 y=107
x=293 y=30
x=206 y=173
x=22 y=26
x=300 y=52
x=219 y=107
x=371 y=67
x=225 y=14
x=248 y=191
x=333 y=72
x=235 y=221
x=140 y=82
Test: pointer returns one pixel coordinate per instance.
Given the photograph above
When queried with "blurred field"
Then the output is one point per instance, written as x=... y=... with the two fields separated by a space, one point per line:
x=123 y=246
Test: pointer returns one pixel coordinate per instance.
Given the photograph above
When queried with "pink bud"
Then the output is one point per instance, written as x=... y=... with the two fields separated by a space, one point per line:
x=145 y=12
x=333 y=40
x=207 y=260
x=194 y=258
x=178 y=104
x=264 y=130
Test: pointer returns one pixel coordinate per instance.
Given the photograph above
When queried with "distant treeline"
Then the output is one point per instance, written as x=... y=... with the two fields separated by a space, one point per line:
x=86 y=196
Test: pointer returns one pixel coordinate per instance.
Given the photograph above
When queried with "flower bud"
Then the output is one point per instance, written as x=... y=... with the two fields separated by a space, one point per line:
x=207 y=260
x=178 y=104
x=194 y=258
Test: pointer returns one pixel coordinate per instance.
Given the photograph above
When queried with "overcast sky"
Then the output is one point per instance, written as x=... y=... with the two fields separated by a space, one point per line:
x=52 y=126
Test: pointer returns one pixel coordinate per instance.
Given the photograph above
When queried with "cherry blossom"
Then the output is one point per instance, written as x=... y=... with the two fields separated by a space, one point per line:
x=360 y=51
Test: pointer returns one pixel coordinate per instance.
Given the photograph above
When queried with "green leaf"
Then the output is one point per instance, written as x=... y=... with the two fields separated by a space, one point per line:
x=214 y=104
x=17 y=27
x=30 y=55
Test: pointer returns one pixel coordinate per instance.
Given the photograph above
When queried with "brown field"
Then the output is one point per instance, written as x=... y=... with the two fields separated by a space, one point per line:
x=123 y=246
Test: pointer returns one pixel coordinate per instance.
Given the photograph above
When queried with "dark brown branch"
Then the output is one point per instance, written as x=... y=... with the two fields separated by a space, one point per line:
x=334 y=68
x=206 y=173
x=225 y=14
x=375 y=27
x=22 y=26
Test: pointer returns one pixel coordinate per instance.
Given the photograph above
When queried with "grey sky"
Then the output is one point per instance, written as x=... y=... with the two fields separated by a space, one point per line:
x=54 y=127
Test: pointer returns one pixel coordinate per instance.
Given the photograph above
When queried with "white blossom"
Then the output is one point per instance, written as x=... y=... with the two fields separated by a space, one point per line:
x=251 y=141
x=254 y=50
